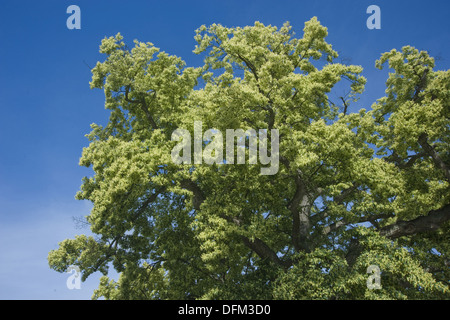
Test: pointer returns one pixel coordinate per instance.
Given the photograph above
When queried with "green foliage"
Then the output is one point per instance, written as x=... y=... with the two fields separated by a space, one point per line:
x=352 y=190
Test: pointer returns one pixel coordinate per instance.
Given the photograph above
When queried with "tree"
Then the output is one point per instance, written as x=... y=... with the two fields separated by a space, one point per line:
x=352 y=189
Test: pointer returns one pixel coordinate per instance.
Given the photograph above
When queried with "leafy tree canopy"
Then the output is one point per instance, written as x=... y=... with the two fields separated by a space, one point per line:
x=352 y=189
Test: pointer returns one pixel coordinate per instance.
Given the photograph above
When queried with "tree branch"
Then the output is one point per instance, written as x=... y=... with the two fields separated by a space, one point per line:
x=430 y=222
x=345 y=105
x=264 y=251
x=300 y=206
x=423 y=141
x=422 y=84
x=249 y=65
x=257 y=245
x=199 y=197
x=143 y=105
x=339 y=199
x=398 y=161
x=112 y=251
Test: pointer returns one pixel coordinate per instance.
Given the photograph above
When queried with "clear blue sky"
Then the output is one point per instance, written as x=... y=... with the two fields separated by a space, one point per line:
x=47 y=106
